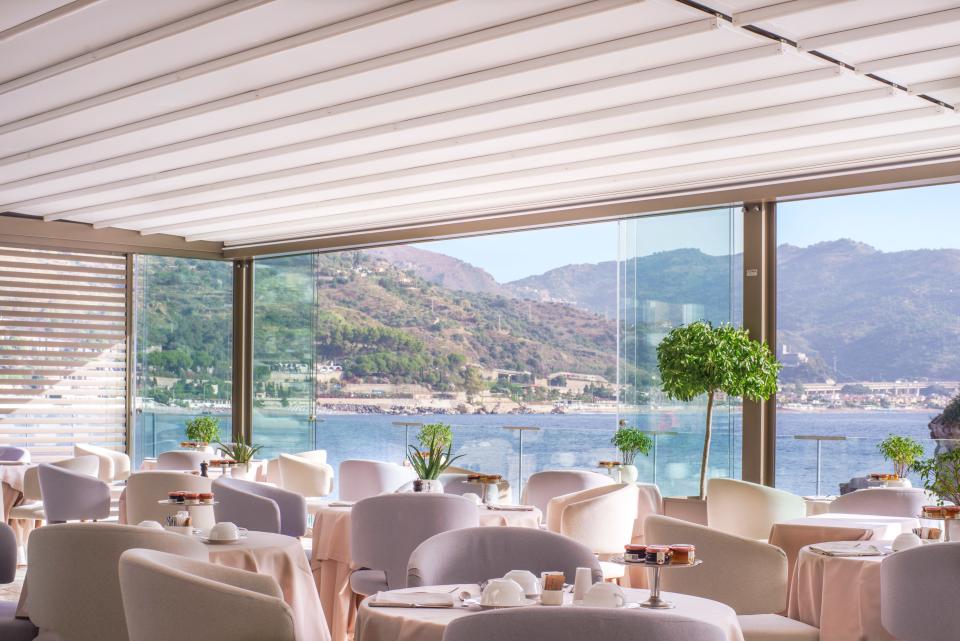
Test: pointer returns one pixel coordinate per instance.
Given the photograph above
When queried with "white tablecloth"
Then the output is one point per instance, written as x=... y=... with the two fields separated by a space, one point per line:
x=408 y=624
x=839 y=595
x=330 y=559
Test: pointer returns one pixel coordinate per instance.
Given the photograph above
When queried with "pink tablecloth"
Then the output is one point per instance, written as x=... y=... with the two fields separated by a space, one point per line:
x=257 y=470
x=330 y=559
x=282 y=558
x=11 y=482
x=408 y=624
x=794 y=534
x=839 y=595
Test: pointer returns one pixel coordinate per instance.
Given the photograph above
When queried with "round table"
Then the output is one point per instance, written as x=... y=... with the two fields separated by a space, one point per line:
x=282 y=558
x=411 y=624
x=838 y=594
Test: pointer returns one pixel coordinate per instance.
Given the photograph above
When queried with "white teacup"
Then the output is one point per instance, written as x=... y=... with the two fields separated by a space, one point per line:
x=526 y=579
x=502 y=593
x=225 y=531
x=470 y=496
x=906 y=541
x=153 y=525
x=604 y=595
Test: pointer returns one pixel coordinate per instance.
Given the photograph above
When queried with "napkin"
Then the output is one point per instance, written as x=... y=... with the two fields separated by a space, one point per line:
x=847 y=548
x=511 y=508
x=341 y=503
x=415 y=599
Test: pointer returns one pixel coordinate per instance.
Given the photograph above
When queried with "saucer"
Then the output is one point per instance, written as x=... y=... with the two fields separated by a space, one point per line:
x=476 y=602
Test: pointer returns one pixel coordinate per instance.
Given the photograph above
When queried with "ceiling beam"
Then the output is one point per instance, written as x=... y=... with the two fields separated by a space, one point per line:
x=781 y=10
x=33 y=232
x=307 y=215
x=154 y=35
x=572 y=92
x=905 y=60
x=879 y=30
x=381 y=62
x=45 y=18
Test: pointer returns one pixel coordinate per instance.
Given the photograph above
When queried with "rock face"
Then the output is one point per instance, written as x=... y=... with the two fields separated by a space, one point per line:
x=946 y=433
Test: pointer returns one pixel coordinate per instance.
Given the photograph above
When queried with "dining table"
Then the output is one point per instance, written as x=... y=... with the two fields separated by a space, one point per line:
x=793 y=534
x=331 y=564
x=428 y=624
x=839 y=594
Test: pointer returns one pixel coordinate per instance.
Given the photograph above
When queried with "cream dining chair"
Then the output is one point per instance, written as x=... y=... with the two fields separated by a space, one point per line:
x=543 y=486
x=748 y=575
x=74 y=588
x=361 y=478
x=114 y=465
x=601 y=518
x=309 y=478
x=32 y=507
x=199 y=600
x=145 y=489
x=186 y=460
x=918 y=591
x=749 y=509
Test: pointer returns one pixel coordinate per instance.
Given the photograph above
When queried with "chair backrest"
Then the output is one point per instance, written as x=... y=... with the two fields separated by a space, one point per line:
x=212 y=602
x=306 y=477
x=906 y=502
x=260 y=507
x=69 y=495
x=114 y=465
x=10 y=453
x=8 y=554
x=649 y=502
x=317 y=456
x=360 y=479
x=602 y=518
x=385 y=529
x=918 y=590
x=580 y=624
x=89 y=465
x=543 y=486
x=749 y=509
x=750 y=576
x=74 y=587
x=144 y=489
x=480 y=553
x=181 y=460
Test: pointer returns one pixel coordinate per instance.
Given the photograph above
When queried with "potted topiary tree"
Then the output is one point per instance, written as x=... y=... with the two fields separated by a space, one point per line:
x=429 y=463
x=698 y=359
x=630 y=441
x=902 y=451
x=941 y=475
x=203 y=429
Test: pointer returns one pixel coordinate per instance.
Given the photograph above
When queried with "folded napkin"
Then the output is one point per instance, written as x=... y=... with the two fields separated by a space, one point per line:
x=414 y=599
x=848 y=548
x=341 y=503
x=511 y=508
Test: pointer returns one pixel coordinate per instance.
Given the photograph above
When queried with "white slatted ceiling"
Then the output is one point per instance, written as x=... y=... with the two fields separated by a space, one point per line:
x=258 y=120
x=62 y=350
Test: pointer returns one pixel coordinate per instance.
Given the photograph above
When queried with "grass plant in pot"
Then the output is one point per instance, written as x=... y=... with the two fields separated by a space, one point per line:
x=630 y=441
x=700 y=359
x=203 y=429
x=242 y=454
x=432 y=457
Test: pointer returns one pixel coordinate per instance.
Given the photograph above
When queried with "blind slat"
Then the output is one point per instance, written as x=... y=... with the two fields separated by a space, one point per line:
x=63 y=357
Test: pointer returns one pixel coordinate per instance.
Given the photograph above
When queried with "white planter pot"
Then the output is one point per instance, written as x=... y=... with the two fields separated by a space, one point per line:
x=628 y=474
x=432 y=486
x=242 y=471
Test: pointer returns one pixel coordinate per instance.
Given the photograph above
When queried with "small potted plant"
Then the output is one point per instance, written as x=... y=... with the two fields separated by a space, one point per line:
x=902 y=451
x=203 y=429
x=630 y=441
x=941 y=475
x=242 y=454
x=430 y=462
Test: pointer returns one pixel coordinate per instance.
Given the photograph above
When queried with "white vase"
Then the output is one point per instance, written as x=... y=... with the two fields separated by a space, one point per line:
x=431 y=486
x=241 y=471
x=628 y=474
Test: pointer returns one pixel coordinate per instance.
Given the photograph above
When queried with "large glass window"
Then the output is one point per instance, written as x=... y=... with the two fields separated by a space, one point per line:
x=284 y=371
x=184 y=348
x=676 y=269
x=868 y=328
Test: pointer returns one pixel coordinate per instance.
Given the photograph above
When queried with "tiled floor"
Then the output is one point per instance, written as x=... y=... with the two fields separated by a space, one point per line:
x=12 y=592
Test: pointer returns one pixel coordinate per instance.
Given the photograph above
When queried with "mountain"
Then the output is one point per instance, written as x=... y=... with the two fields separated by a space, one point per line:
x=440 y=269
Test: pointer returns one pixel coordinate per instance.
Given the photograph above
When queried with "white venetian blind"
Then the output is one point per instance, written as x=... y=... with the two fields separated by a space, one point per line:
x=62 y=350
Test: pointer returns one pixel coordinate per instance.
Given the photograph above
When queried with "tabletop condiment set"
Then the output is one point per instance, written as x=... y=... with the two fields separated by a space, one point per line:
x=521 y=588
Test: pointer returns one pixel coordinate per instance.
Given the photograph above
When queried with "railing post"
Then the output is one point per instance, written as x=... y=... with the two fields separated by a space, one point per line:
x=521 y=429
x=819 y=439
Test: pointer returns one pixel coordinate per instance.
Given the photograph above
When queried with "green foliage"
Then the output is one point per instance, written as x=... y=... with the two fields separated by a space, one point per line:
x=698 y=359
x=239 y=452
x=941 y=475
x=855 y=389
x=630 y=441
x=203 y=429
x=902 y=451
x=951 y=413
x=430 y=463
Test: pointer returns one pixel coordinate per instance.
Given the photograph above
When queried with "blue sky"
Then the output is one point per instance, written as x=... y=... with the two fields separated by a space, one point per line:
x=927 y=217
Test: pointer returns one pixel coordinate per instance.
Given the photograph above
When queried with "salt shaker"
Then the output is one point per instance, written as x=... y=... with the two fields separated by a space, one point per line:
x=582 y=583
